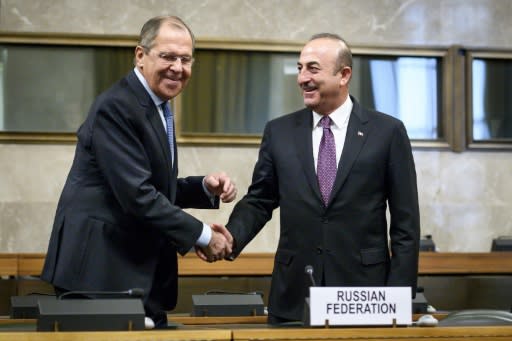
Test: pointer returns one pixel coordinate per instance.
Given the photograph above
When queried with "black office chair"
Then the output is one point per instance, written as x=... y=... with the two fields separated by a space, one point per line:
x=477 y=317
x=427 y=244
x=502 y=243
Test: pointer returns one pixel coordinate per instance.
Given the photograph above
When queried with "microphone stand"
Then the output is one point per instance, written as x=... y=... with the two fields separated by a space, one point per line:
x=308 y=270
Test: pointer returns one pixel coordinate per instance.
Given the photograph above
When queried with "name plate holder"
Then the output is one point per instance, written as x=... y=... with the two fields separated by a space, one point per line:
x=358 y=306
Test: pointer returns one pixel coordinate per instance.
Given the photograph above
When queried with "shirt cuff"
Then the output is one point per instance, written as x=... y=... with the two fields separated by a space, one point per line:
x=205 y=237
x=207 y=192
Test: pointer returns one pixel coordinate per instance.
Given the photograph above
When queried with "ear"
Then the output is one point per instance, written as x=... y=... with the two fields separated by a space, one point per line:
x=346 y=74
x=139 y=56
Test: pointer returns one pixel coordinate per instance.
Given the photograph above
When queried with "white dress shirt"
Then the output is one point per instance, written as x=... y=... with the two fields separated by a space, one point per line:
x=206 y=234
x=339 y=126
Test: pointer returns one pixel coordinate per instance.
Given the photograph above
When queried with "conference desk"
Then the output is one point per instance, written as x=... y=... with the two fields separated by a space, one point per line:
x=200 y=328
x=452 y=281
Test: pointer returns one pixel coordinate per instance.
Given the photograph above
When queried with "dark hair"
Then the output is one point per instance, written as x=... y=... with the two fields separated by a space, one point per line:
x=150 y=30
x=344 y=53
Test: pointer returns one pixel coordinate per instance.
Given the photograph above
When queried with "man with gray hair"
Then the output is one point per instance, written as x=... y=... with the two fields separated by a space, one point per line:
x=119 y=221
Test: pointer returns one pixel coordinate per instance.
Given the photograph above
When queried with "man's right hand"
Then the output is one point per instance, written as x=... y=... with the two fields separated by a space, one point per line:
x=220 y=246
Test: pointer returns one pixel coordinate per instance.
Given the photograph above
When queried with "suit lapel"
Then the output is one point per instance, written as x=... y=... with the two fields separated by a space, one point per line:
x=156 y=124
x=357 y=133
x=304 y=151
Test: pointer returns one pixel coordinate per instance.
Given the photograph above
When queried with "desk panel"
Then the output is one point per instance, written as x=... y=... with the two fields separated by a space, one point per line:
x=465 y=263
x=174 y=335
x=261 y=264
x=8 y=264
x=403 y=334
x=30 y=264
x=236 y=329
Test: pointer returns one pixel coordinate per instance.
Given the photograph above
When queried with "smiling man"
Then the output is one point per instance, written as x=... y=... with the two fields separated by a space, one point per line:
x=324 y=84
x=119 y=221
x=333 y=169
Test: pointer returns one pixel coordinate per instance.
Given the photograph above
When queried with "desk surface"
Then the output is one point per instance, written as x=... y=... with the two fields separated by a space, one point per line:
x=234 y=333
x=412 y=333
x=192 y=320
x=153 y=335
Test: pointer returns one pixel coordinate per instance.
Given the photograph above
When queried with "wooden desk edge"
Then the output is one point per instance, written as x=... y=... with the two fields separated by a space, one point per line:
x=268 y=333
x=136 y=335
x=261 y=264
x=351 y=333
x=204 y=320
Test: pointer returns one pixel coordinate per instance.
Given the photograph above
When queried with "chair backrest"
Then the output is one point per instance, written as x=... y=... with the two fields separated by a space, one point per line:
x=477 y=317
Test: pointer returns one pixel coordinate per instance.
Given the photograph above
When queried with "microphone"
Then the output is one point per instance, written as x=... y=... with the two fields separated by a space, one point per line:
x=309 y=271
x=134 y=292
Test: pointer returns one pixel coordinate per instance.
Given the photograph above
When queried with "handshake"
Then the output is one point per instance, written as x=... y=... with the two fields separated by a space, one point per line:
x=220 y=246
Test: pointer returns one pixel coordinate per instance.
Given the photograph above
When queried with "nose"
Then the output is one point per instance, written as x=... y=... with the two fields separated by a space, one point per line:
x=176 y=65
x=302 y=77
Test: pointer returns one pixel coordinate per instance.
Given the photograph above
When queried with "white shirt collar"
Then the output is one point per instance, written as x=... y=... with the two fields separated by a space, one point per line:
x=339 y=116
x=157 y=100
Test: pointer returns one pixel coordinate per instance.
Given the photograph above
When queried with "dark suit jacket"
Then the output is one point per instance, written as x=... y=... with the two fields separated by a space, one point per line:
x=119 y=221
x=347 y=242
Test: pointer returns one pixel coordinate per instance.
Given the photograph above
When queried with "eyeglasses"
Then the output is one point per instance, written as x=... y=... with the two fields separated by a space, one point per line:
x=169 y=58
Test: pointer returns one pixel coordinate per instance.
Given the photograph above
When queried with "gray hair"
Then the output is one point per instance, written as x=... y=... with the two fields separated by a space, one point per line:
x=150 y=30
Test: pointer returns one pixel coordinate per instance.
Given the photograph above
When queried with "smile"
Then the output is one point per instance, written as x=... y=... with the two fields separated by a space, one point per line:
x=308 y=88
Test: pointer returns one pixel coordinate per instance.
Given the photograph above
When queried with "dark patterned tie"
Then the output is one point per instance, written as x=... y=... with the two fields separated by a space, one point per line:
x=170 y=127
x=326 y=167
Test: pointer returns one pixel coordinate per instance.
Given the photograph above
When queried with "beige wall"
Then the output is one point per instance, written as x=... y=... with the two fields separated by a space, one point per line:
x=465 y=198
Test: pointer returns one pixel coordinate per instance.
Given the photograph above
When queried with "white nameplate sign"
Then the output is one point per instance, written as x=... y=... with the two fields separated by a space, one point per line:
x=360 y=306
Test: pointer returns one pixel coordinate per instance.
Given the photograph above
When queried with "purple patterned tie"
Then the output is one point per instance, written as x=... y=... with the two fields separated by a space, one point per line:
x=326 y=167
x=170 y=127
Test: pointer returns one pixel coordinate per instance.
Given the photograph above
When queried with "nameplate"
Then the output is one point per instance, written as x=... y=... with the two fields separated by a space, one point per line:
x=341 y=306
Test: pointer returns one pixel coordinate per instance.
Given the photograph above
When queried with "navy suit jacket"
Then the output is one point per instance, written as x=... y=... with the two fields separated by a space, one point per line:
x=119 y=220
x=347 y=241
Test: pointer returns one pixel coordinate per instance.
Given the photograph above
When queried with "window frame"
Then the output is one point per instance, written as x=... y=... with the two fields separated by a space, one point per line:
x=504 y=144
x=453 y=134
x=443 y=53
x=76 y=40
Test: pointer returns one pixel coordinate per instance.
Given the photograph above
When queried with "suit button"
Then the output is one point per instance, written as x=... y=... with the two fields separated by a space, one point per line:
x=319 y=250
